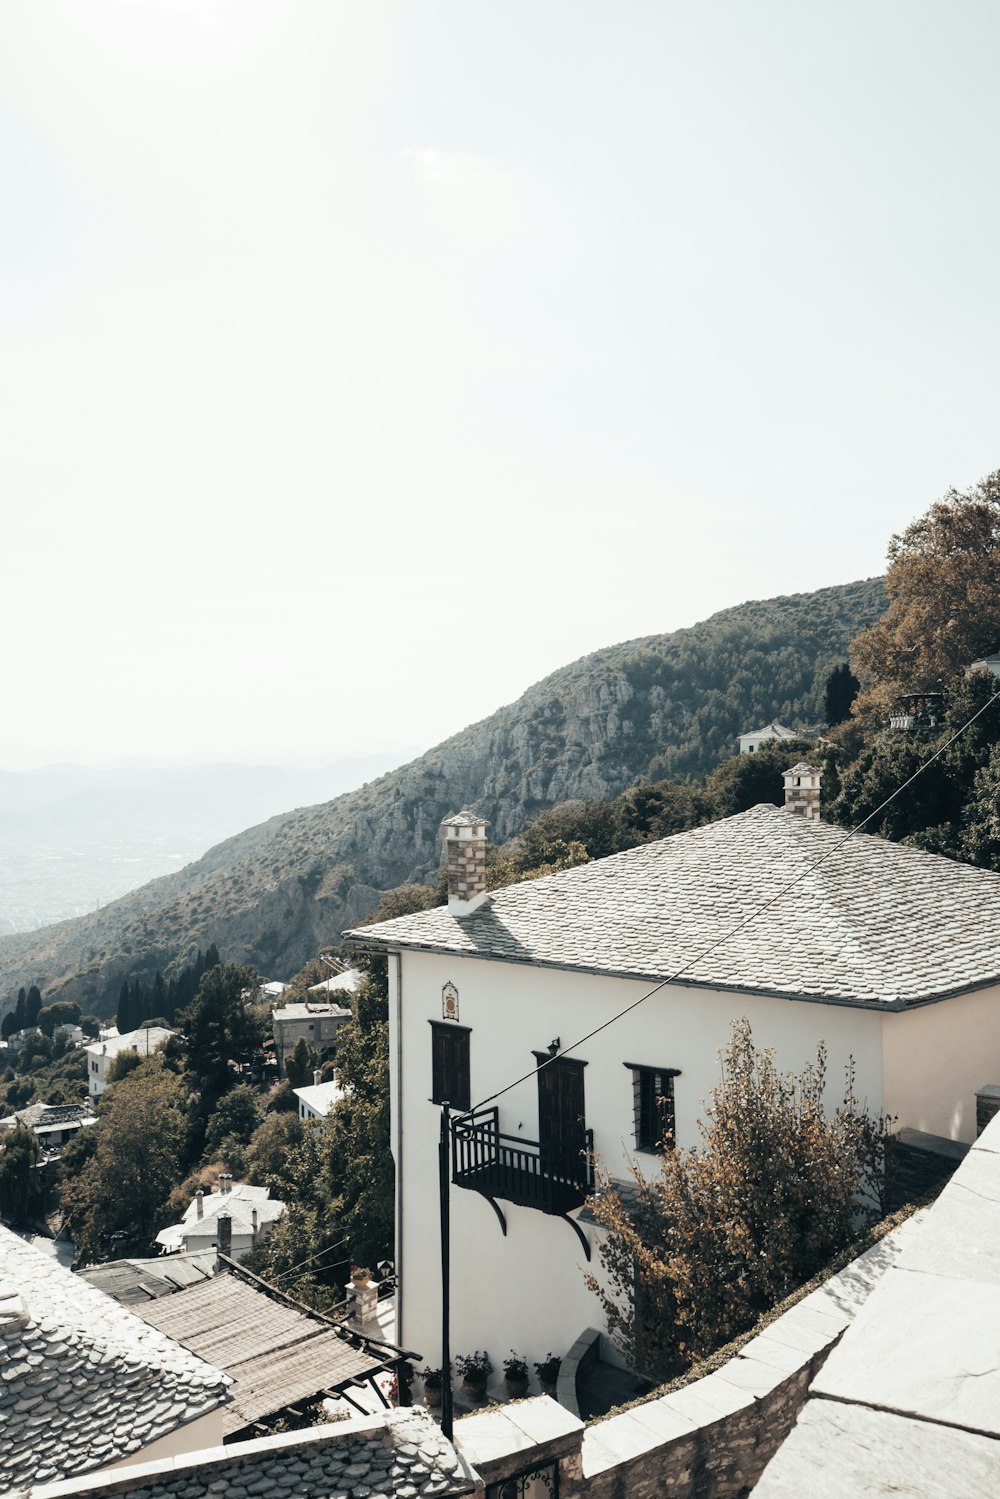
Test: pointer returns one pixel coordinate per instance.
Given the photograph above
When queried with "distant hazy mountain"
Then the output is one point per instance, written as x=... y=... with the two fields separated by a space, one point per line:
x=668 y=704
x=74 y=837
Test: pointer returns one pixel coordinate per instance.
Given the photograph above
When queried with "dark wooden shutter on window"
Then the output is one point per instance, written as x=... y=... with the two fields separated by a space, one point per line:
x=653 y=1098
x=450 y=1064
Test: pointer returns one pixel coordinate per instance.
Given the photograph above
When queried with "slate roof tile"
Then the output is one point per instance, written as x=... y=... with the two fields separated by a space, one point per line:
x=129 y=1382
x=867 y=921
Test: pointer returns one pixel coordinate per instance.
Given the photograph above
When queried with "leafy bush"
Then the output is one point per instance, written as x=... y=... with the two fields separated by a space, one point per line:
x=726 y=1231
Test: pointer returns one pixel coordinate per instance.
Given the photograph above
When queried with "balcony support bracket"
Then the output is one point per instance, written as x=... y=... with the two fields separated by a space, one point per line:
x=579 y=1233
x=499 y=1212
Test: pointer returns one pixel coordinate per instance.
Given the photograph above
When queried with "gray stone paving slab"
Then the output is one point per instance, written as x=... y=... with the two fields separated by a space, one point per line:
x=961 y=1238
x=543 y=1419
x=768 y=1350
x=849 y=1452
x=708 y=1399
x=926 y=1345
x=662 y=1418
x=751 y=1375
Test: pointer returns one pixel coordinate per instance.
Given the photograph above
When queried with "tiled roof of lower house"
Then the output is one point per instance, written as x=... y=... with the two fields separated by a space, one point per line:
x=401 y=1452
x=276 y=1351
x=867 y=922
x=83 y=1382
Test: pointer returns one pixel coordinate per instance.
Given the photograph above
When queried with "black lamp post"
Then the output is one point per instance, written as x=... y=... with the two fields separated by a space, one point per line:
x=444 y=1181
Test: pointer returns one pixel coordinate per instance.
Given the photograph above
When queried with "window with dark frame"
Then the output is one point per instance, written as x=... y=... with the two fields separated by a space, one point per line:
x=653 y=1102
x=450 y=1064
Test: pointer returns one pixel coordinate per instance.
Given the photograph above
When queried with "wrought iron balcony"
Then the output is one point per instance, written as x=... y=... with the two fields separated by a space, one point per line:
x=554 y=1178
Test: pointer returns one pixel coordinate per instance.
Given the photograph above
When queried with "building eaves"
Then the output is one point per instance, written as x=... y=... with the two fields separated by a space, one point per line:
x=764 y=902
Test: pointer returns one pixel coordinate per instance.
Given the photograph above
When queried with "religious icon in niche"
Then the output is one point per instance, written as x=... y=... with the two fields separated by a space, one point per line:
x=449 y=1002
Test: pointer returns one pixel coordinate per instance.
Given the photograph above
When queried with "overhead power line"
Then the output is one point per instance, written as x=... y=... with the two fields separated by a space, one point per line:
x=740 y=925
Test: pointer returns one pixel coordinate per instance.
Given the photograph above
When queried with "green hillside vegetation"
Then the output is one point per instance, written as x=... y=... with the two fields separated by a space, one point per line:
x=664 y=706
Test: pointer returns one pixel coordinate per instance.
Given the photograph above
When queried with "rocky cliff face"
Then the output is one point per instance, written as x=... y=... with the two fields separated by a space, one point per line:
x=665 y=705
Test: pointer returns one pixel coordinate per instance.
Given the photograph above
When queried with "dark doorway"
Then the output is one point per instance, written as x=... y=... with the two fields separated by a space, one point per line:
x=561 y=1118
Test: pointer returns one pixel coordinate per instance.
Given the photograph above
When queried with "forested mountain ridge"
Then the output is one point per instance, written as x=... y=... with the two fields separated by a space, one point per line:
x=665 y=705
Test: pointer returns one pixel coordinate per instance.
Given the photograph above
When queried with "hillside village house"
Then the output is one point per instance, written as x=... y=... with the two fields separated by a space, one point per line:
x=750 y=743
x=315 y=1021
x=889 y=955
x=233 y=1219
x=317 y=1101
x=102 y=1053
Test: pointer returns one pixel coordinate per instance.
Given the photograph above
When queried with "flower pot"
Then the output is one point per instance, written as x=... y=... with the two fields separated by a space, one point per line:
x=549 y=1387
x=516 y=1388
x=432 y=1394
x=474 y=1388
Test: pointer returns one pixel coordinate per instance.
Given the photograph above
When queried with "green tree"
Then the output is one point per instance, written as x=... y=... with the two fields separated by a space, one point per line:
x=63 y=1012
x=137 y=1146
x=839 y=694
x=943 y=582
x=724 y=1232
x=300 y=1064
x=20 y=1188
x=220 y=1026
x=235 y=1117
x=33 y=1005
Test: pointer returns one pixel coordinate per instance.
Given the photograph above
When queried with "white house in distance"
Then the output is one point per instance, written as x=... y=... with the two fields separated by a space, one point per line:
x=101 y=1054
x=987 y=663
x=233 y=1219
x=750 y=743
x=316 y=1101
x=889 y=955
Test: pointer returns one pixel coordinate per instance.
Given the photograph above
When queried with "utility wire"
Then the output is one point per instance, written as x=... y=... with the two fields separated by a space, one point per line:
x=318 y=1255
x=740 y=925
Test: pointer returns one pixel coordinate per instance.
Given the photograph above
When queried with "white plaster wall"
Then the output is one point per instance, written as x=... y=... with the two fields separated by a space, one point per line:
x=936 y=1057
x=526 y=1291
x=193 y=1436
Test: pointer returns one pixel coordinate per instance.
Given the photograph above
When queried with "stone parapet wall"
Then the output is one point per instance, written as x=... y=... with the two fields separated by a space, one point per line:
x=987 y=1105
x=710 y=1439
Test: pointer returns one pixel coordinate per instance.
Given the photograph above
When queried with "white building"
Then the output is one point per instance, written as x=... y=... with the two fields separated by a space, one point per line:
x=750 y=743
x=317 y=1101
x=101 y=1054
x=889 y=955
x=232 y=1219
x=987 y=663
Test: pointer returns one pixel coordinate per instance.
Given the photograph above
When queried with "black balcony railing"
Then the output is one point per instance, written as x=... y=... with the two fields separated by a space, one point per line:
x=553 y=1179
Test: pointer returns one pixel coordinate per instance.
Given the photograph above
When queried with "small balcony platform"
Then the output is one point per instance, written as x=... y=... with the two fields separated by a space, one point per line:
x=554 y=1179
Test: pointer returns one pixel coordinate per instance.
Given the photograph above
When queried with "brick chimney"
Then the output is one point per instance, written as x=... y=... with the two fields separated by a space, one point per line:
x=802 y=791
x=225 y=1226
x=465 y=859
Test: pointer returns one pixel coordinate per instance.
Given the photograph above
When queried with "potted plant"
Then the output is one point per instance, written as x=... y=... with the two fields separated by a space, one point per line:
x=361 y=1275
x=433 y=1379
x=548 y=1373
x=475 y=1369
x=515 y=1376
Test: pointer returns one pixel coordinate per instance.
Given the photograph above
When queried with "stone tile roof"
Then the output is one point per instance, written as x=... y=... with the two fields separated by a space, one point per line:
x=145 y=1040
x=240 y=1202
x=401 y=1453
x=868 y=921
x=320 y=1096
x=137 y=1281
x=83 y=1382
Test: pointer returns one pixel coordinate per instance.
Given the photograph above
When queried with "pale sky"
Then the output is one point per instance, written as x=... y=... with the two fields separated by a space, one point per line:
x=362 y=363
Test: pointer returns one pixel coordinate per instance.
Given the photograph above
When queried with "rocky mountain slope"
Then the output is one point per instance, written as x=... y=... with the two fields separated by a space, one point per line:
x=665 y=705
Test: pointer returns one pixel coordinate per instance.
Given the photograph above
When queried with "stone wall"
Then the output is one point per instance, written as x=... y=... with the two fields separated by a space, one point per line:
x=709 y=1440
x=924 y=1162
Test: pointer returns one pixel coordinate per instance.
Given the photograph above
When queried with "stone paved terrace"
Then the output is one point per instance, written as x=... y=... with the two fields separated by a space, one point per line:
x=909 y=1402
x=398 y=1455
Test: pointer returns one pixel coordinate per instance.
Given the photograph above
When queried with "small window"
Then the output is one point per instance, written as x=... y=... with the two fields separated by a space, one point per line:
x=450 y=1065
x=653 y=1101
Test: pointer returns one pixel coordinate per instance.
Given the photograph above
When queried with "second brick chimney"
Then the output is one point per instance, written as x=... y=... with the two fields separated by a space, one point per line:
x=802 y=791
x=465 y=860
